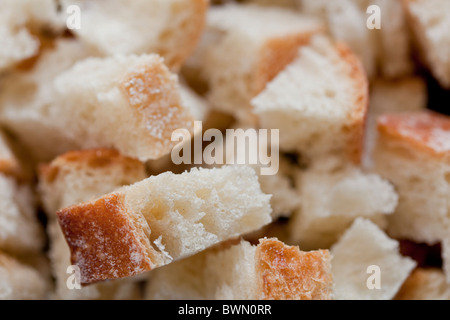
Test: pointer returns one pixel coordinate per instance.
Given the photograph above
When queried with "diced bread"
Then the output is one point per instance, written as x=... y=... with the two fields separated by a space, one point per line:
x=129 y=103
x=330 y=202
x=430 y=20
x=73 y=178
x=20 y=20
x=413 y=153
x=19 y=281
x=319 y=103
x=425 y=284
x=170 y=28
x=9 y=164
x=162 y=218
x=20 y=231
x=80 y=176
x=404 y=95
x=363 y=246
x=386 y=51
x=270 y=270
x=244 y=47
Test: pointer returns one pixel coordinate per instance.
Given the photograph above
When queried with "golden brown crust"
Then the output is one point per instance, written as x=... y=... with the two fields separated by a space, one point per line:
x=355 y=131
x=275 y=55
x=153 y=92
x=286 y=273
x=92 y=158
x=104 y=240
x=425 y=131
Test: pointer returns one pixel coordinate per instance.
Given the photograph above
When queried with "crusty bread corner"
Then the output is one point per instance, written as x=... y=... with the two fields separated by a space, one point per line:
x=425 y=284
x=286 y=273
x=19 y=281
x=170 y=28
x=162 y=218
x=336 y=128
x=78 y=176
x=426 y=131
x=238 y=270
x=412 y=152
x=429 y=21
x=391 y=96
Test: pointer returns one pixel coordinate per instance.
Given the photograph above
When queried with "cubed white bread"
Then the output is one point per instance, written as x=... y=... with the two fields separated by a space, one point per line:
x=279 y=183
x=244 y=47
x=19 y=281
x=20 y=231
x=413 y=153
x=270 y=270
x=80 y=176
x=25 y=97
x=73 y=178
x=319 y=103
x=330 y=202
x=129 y=103
x=425 y=284
x=430 y=22
x=170 y=28
x=362 y=246
x=386 y=96
x=161 y=219
x=19 y=21
x=386 y=51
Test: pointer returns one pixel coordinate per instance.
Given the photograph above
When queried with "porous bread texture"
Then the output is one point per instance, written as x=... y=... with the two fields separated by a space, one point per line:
x=425 y=284
x=19 y=281
x=319 y=104
x=80 y=176
x=19 y=21
x=270 y=270
x=20 y=231
x=391 y=96
x=161 y=219
x=413 y=153
x=330 y=202
x=385 y=52
x=129 y=103
x=429 y=20
x=244 y=47
x=364 y=245
x=170 y=28
x=72 y=178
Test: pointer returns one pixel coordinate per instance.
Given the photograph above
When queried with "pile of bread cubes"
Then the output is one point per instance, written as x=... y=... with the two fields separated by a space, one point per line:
x=89 y=194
